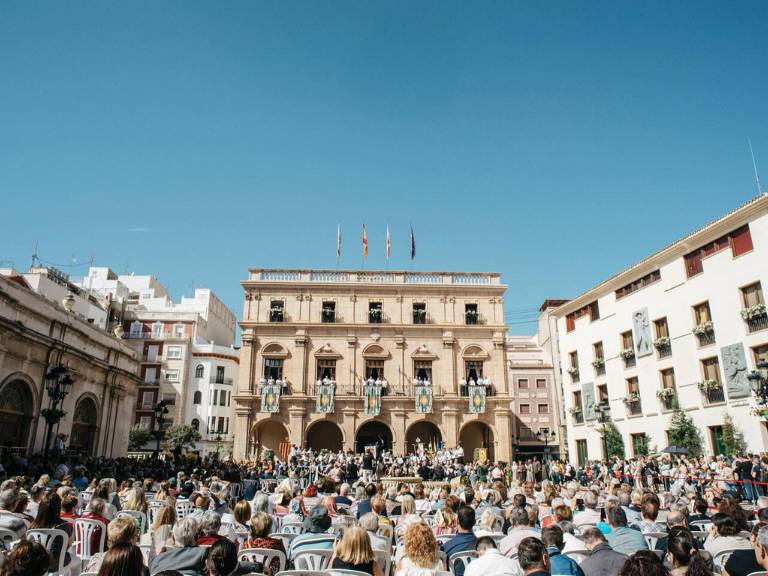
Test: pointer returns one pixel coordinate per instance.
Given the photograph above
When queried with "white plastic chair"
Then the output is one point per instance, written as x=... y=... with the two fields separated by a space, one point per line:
x=263 y=555
x=312 y=559
x=154 y=508
x=703 y=525
x=292 y=528
x=386 y=530
x=443 y=538
x=301 y=573
x=339 y=572
x=147 y=551
x=84 y=529
x=463 y=558
x=384 y=558
x=721 y=558
x=183 y=508
x=652 y=537
x=139 y=517
x=47 y=537
x=7 y=537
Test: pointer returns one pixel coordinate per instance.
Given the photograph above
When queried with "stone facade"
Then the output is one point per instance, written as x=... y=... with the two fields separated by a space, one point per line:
x=306 y=325
x=37 y=334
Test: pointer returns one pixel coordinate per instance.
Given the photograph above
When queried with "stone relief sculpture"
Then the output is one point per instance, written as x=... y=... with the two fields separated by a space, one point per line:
x=588 y=398
x=735 y=369
x=642 y=330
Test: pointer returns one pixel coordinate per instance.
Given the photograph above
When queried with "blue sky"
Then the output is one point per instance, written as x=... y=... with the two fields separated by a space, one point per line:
x=553 y=142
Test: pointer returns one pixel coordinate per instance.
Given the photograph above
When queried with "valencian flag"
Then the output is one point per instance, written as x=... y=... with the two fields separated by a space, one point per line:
x=270 y=398
x=476 y=399
x=423 y=395
x=365 y=242
x=372 y=396
x=324 y=402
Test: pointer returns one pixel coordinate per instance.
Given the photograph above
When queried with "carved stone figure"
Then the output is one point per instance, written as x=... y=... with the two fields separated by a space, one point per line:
x=735 y=369
x=588 y=399
x=642 y=331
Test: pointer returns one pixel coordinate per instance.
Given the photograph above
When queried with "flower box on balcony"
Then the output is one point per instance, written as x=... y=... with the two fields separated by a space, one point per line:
x=632 y=398
x=704 y=329
x=754 y=312
x=665 y=393
x=599 y=363
x=573 y=371
x=709 y=386
x=627 y=353
x=662 y=342
x=575 y=410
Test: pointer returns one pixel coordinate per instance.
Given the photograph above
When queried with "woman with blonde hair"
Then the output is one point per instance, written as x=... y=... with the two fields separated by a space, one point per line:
x=260 y=529
x=162 y=528
x=162 y=492
x=354 y=552
x=488 y=524
x=420 y=558
x=446 y=522
x=136 y=500
x=242 y=514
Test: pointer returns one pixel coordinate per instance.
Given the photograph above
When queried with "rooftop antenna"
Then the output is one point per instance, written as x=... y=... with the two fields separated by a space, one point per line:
x=754 y=167
x=34 y=255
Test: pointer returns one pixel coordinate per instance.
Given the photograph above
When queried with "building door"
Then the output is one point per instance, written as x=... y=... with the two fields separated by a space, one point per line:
x=84 y=426
x=15 y=414
x=581 y=451
x=716 y=435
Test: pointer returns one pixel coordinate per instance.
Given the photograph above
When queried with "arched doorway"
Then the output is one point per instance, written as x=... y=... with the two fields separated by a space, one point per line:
x=84 y=423
x=15 y=414
x=476 y=435
x=324 y=435
x=425 y=432
x=269 y=435
x=373 y=433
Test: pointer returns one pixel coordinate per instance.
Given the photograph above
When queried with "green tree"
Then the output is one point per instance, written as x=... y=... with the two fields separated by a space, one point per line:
x=641 y=447
x=138 y=436
x=733 y=437
x=180 y=436
x=613 y=439
x=683 y=432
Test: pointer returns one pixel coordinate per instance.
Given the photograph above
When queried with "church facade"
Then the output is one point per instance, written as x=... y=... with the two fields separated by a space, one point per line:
x=348 y=359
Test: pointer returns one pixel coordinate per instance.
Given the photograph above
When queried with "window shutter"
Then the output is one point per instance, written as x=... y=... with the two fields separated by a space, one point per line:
x=742 y=241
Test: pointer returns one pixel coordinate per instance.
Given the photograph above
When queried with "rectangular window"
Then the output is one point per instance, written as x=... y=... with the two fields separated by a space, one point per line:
x=179 y=330
x=422 y=369
x=522 y=383
x=328 y=314
x=592 y=309
x=578 y=408
x=150 y=375
x=226 y=425
x=543 y=408
x=223 y=398
x=602 y=392
x=215 y=397
x=170 y=399
x=581 y=451
x=473 y=369
x=173 y=352
x=701 y=313
x=172 y=375
x=760 y=353
x=668 y=383
x=661 y=327
x=740 y=242
x=633 y=396
x=525 y=408
x=711 y=368
x=419 y=313
x=147 y=399
x=752 y=295
x=220 y=427
x=277 y=311
x=470 y=314
x=639 y=444
x=597 y=351
x=636 y=285
x=145 y=422
x=573 y=358
x=219 y=374
x=273 y=368
x=627 y=341
x=375 y=312
x=374 y=369
x=541 y=383
x=716 y=437
x=326 y=368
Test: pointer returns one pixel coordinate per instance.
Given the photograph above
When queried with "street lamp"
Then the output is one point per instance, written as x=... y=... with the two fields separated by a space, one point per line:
x=604 y=416
x=58 y=383
x=758 y=380
x=546 y=437
x=160 y=411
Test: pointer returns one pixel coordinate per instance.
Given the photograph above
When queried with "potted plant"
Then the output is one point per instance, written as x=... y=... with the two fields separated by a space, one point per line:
x=662 y=342
x=575 y=410
x=598 y=363
x=753 y=312
x=665 y=393
x=709 y=385
x=759 y=411
x=632 y=398
x=704 y=328
x=573 y=371
x=627 y=353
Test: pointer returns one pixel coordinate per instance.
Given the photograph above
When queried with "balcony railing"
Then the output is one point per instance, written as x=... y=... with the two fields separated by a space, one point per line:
x=578 y=418
x=757 y=323
x=151 y=335
x=630 y=362
x=634 y=407
x=215 y=380
x=665 y=351
x=715 y=396
x=600 y=370
x=375 y=276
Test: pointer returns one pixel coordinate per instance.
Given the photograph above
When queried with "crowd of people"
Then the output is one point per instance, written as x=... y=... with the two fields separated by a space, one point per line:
x=424 y=514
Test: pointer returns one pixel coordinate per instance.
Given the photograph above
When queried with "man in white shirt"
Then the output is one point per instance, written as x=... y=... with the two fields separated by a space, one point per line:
x=590 y=514
x=521 y=529
x=491 y=562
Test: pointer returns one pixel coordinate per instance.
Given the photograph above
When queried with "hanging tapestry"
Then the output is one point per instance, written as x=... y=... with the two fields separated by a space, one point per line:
x=423 y=398
x=476 y=399
x=270 y=398
x=372 y=396
x=325 y=398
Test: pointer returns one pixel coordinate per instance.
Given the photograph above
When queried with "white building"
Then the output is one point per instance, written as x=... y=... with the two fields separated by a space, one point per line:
x=674 y=320
x=185 y=348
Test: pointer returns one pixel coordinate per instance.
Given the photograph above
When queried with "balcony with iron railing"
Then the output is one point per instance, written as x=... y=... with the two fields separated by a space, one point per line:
x=153 y=335
x=226 y=381
x=712 y=391
x=705 y=333
x=756 y=318
x=374 y=277
x=599 y=366
x=633 y=404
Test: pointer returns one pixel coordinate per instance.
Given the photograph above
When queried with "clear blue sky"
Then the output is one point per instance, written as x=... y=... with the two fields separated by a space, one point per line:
x=553 y=142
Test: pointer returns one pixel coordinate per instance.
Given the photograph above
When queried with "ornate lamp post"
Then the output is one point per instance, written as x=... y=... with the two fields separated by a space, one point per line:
x=58 y=383
x=758 y=380
x=160 y=411
x=546 y=437
x=604 y=416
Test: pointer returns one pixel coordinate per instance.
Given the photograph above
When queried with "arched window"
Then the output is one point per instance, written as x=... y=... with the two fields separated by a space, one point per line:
x=199 y=371
x=196 y=422
x=197 y=398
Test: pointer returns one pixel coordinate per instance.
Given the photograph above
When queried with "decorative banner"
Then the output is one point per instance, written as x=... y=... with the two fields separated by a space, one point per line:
x=325 y=398
x=476 y=399
x=372 y=396
x=270 y=398
x=423 y=399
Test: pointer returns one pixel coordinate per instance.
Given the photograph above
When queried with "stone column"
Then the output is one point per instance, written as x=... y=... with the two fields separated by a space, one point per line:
x=246 y=379
x=296 y=429
x=451 y=426
x=349 y=424
x=352 y=359
x=448 y=375
x=398 y=429
x=243 y=438
x=498 y=357
x=503 y=436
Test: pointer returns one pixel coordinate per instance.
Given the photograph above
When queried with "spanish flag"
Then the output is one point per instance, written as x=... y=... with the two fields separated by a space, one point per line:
x=365 y=242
